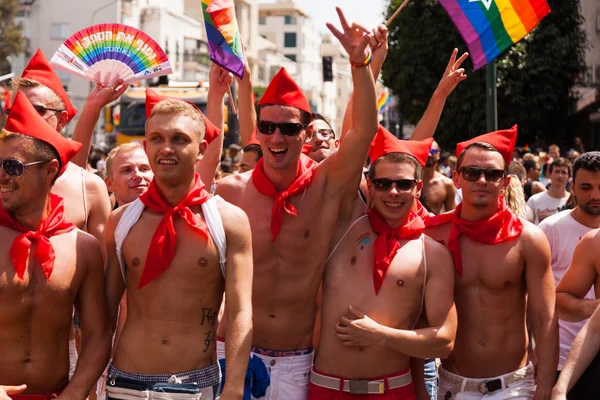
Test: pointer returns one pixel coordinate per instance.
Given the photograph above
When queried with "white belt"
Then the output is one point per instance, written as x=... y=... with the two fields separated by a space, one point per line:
x=360 y=386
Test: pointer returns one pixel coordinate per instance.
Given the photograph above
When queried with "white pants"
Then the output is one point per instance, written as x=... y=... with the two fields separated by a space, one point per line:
x=72 y=357
x=290 y=376
x=456 y=386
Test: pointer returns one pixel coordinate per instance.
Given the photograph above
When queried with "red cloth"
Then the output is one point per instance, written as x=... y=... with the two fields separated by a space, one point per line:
x=153 y=98
x=25 y=120
x=388 y=239
x=162 y=246
x=306 y=148
x=504 y=141
x=384 y=143
x=500 y=227
x=422 y=211
x=39 y=70
x=282 y=203
x=283 y=91
x=55 y=224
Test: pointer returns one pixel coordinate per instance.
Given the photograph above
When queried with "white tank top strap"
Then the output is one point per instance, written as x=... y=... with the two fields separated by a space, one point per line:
x=85 y=206
x=424 y=280
x=130 y=216
x=216 y=229
x=344 y=236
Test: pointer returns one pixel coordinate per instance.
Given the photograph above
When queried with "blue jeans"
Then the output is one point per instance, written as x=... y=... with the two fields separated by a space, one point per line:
x=431 y=382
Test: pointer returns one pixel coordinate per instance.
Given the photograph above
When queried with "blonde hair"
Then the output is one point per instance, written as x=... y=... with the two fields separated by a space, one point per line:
x=529 y=156
x=174 y=106
x=26 y=83
x=124 y=148
x=515 y=197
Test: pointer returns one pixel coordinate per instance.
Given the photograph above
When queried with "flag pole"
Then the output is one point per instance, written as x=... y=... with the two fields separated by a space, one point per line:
x=389 y=21
x=491 y=98
x=231 y=102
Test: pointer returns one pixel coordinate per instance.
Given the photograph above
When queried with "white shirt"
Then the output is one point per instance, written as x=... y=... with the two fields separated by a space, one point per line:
x=543 y=205
x=563 y=233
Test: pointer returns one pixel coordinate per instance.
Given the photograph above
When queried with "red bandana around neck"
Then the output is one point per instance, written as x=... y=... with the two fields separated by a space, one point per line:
x=162 y=246
x=504 y=225
x=422 y=211
x=55 y=224
x=282 y=203
x=387 y=243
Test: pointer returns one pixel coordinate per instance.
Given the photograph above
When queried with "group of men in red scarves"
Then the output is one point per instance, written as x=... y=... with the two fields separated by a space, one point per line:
x=272 y=245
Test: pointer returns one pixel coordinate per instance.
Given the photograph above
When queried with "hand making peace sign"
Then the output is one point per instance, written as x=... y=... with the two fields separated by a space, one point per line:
x=355 y=38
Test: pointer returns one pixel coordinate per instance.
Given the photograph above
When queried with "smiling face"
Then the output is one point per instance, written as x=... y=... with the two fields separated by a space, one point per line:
x=42 y=96
x=130 y=175
x=322 y=140
x=281 y=152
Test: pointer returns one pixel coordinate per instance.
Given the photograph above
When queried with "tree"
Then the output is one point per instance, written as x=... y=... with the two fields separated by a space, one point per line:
x=11 y=38
x=535 y=77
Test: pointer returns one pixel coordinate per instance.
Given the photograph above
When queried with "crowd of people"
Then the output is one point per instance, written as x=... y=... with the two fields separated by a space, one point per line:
x=303 y=263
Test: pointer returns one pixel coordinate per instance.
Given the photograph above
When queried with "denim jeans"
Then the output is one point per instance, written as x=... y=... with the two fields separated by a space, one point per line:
x=431 y=380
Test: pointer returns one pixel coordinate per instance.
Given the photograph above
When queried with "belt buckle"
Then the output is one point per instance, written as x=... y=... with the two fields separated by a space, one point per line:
x=490 y=386
x=359 y=387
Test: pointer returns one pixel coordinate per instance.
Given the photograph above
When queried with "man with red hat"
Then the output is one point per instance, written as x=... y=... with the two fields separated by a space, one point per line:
x=382 y=273
x=199 y=249
x=292 y=205
x=503 y=279
x=49 y=267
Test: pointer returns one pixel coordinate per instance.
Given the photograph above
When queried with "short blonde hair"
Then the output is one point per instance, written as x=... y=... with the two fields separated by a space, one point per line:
x=26 y=83
x=529 y=156
x=174 y=106
x=124 y=148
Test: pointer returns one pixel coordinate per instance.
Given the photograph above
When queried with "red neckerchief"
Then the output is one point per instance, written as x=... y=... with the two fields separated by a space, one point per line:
x=266 y=187
x=306 y=148
x=422 y=211
x=387 y=242
x=55 y=224
x=162 y=246
x=502 y=226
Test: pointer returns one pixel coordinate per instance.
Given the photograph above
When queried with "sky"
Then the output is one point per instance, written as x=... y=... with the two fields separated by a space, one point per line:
x=366 y=12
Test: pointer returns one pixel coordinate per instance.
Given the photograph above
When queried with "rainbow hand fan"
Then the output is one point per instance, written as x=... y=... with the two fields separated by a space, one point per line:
x=104 y=53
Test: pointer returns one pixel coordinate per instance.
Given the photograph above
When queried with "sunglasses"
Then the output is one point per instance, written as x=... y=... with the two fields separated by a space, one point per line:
x=472 y=174
x=385 y=184
x=325 y=134
x=286 y=128
x=40 y=109
x=15 y=168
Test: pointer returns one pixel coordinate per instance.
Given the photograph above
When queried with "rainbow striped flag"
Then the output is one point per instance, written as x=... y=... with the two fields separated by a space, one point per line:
x=224 y=40
x=491 y=26
x=384 y=100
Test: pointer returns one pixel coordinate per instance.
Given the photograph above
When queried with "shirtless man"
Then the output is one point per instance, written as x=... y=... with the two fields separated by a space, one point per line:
x=322 y=141
x=503 y=266
x=373 y=336
x=174 y=333
x=48 y=267
x=128 y=172
x=292 y=204
x=251 y=155
x=439 y=191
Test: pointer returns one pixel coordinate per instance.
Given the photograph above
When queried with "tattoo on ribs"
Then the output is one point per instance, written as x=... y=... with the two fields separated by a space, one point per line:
x=209 y=340
x=209 y=315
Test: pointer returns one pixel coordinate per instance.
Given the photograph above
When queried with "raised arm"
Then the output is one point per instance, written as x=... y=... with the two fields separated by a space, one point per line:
x=90 y=304
x=220 y=80
x=541 y=298
x=571 y=303
x=583 y=350
x=99 y=97
x=238 y=292
x=450 y=79
x=99 y=206
x=437 y=340
x=246 y=110
x=344 y=166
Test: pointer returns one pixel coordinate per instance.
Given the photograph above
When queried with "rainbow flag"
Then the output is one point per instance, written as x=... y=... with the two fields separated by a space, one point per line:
x=224 y=40
x=384 y=100
x=491 y=26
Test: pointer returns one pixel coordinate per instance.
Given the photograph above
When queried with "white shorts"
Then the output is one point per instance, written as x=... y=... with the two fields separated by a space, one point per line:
x=290 y=375
x=518 y=385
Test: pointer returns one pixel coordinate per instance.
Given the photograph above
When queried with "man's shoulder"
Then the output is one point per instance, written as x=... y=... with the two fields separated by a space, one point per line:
x=234 y=182
x=556 y=220
x=234 y=218
x=537 y=197
x=434 y=249
x=532 y=235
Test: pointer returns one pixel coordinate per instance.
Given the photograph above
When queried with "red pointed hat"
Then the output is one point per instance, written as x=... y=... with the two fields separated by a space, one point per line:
x=153 y=98
x=283 y=91
x=253 y=139
x=504 y=141
x=39 y=70
x=385 y=143
x=24 y=119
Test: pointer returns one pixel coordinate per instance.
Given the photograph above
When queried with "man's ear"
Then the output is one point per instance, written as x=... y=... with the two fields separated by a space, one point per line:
x=455 y=176
x=52 y=169
x=201 y=150
x=419 y=189
x=63 y=119
x=109 y=185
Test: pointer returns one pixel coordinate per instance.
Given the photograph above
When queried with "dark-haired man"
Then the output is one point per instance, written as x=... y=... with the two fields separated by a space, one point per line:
x=322 y=141
x=251 y=155
x=438 y=193
x=533 y=185
x=504 y=277
x=547 y=203
x=48 y=267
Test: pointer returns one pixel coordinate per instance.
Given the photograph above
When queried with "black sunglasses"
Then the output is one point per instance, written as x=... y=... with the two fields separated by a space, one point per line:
x=385 y=184
x=40 y=109
x=472 y=174
x=15 y=168
x=286 y=128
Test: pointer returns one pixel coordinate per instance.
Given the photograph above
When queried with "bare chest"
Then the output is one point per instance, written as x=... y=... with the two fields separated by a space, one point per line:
x=435 y=192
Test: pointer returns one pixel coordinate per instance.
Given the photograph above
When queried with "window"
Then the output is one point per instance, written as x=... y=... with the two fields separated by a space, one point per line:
x=289 y=20
x=289 y=39
x=60 y=31
x=262 y=20
x=291 y=57
x=261 y=73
